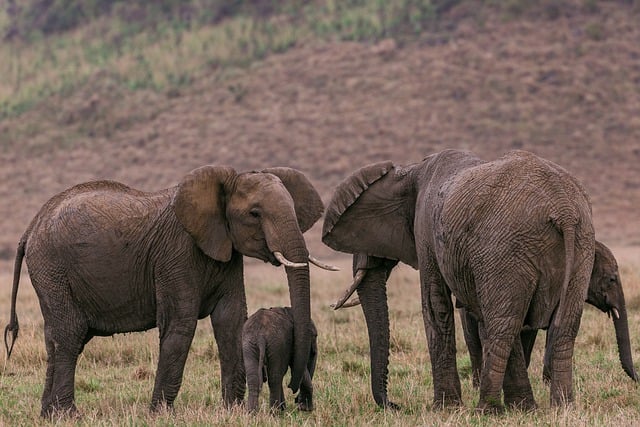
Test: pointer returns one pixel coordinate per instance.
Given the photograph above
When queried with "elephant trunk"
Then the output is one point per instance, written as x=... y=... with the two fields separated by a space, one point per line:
x=299 y=294
x=373 y=297
x=621 y=325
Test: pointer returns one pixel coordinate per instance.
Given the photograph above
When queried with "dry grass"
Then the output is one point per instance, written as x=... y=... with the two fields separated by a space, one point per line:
x=115 y=375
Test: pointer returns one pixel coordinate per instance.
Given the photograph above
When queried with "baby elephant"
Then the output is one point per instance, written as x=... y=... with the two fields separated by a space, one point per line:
x=267 y=348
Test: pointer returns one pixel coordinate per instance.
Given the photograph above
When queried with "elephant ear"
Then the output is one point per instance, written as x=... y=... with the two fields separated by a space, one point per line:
x=306 y=200
x=371 y=212
x=349 y=190
x=199 y=205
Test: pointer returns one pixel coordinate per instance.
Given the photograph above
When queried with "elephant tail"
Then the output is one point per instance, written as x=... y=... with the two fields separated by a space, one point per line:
x=13 y=326
x=569 y=236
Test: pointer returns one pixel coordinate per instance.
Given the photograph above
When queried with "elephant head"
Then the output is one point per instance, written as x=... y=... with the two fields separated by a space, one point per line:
x=605 y=292
x=261 y=215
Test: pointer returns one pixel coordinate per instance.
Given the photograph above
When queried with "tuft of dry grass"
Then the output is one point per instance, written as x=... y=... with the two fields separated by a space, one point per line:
x=115 y=375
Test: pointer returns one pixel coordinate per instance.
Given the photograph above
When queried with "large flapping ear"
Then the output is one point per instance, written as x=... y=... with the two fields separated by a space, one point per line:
x=371 y=212
x=306 y=200
x=199 y=205
x=350 y=189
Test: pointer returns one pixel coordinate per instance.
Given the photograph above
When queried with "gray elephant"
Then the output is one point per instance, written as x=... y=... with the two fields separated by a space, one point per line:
x=605 y=293
x=105 y=258
x=267 y=348
x=511 y=239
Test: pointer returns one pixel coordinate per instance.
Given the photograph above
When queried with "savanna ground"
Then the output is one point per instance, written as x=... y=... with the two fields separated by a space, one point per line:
x=325 y=87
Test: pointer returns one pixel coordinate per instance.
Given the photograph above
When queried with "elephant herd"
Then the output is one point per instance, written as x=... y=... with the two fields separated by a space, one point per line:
x=511 y=240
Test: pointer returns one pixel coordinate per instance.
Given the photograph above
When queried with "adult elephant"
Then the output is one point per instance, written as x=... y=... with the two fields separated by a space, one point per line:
x=105 y=258
x=511 y=239
x=605 y=293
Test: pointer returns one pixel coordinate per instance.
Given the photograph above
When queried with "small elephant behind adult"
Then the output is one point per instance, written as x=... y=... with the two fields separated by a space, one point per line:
x=267 y=348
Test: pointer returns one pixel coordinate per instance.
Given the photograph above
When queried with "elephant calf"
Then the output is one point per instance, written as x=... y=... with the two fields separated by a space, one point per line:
x=267 y=348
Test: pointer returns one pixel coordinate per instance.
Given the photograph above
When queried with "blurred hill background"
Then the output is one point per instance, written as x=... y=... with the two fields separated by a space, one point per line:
x=142 y=92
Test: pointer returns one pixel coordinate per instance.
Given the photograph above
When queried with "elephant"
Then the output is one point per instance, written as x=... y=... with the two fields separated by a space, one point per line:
x=267 y=349
x=511 y=239
x=105 y=258
x=605 y=293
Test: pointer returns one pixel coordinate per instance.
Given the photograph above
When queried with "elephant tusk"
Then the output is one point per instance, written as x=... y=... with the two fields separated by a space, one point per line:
x=616 y=315
x=356 y=282
x=352 y=303
x=322 y=265
x=286 y=262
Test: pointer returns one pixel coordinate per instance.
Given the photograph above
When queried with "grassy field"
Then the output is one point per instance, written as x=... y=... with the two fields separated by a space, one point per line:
x=115 y=375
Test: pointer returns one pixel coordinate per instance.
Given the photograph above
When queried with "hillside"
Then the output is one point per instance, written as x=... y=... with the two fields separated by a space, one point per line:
x=566 y=88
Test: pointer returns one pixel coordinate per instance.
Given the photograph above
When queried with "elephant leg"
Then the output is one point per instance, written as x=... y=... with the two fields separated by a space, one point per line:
x=304 y=399
x=562 y=335
x=64 y=344
x=251 y=356
x=175 y=341
x=227 y=320
x=528 y=339
x=546 y=368
x=474 y=345
x=438 y=314
x=516 y=386
x=276 y=392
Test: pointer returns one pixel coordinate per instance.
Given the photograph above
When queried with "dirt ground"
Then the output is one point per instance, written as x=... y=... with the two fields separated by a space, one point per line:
x=567 y=89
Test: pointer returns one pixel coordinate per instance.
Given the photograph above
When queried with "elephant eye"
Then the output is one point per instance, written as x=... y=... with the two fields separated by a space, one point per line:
x=254 y=213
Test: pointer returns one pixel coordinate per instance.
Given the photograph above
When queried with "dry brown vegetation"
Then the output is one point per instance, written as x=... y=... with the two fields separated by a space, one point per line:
x=566 y=88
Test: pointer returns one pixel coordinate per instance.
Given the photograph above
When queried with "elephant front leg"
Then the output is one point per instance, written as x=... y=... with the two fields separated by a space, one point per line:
x=175 y=340
x=438 y=314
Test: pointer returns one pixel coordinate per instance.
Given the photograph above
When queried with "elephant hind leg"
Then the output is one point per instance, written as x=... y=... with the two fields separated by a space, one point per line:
x=63 y=348
x=497 y=349
x=175 y=341
x=516 y=386
x=276 y=393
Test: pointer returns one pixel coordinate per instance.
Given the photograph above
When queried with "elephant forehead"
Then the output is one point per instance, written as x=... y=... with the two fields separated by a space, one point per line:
x=259 y=184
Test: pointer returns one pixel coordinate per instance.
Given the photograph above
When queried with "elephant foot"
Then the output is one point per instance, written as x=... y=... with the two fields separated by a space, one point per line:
x=447 y=403
x=390 y=405
x=489 y=406
x=385 y=403
x=160 y=406
x=278 y=408
x=304 y=403
x=525 y=404
x=52 y=412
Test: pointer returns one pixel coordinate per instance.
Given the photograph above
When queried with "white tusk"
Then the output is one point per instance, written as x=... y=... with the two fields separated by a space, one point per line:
x=355 y=301
x=322 y=265
x=286 y=262
x=356 y=282
x=615 y=313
